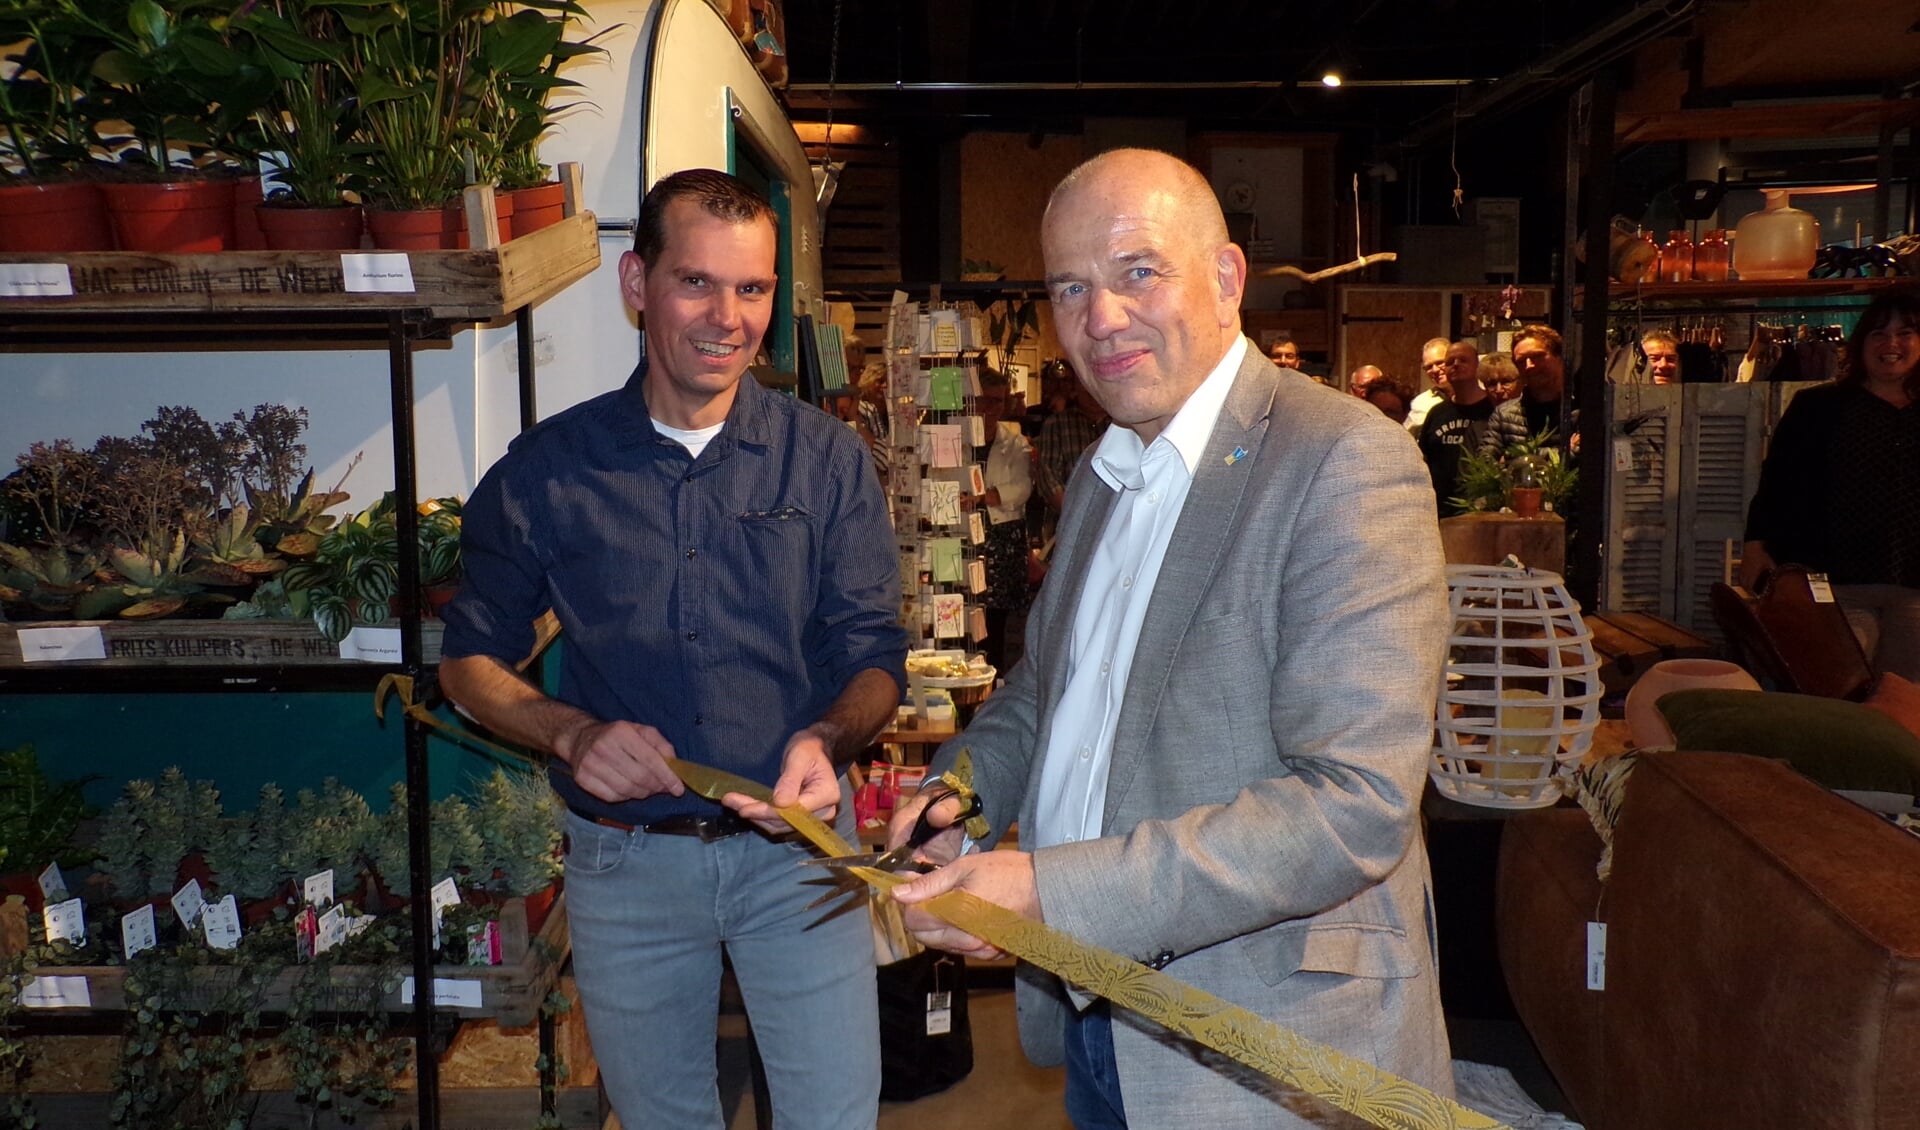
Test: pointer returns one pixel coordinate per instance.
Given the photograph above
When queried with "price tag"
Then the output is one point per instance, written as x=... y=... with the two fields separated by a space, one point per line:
x=1822 y=591
x=1596 y=956
x=222 y=920
x=137 y=931
x=445 y=893
x=317 y=890
x=188 y=902
x=332 y=931
x=53 y=884
x=66 y=922
x=56 y=992
x=939 y=1013
x=35 y=280
x=385 y=272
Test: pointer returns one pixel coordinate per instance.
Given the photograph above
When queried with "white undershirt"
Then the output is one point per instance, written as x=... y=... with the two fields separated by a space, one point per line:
x=1152 y=481
x=695 y=440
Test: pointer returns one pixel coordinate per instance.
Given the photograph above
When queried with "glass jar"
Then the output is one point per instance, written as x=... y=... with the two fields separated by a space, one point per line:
x=1712 y=257
x=1777 y=242
x=1676 y=258
x=1651 y=253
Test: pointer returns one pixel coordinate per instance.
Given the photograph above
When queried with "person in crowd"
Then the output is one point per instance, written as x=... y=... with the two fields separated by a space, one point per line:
x=1009 y=477
x=1068 y=434
x=1433 y=365
x=1663 y=356
x=1500 y=376
x=1456 y=426
x=1543 y=383
x=720 y=559
x=1362 y=378
x=1840 y=487
x=1284 y=353
x=1390 y=397
x=1216 y=745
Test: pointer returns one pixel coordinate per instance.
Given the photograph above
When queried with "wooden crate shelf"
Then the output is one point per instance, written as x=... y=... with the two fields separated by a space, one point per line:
x=469 y=286
x=202 y=643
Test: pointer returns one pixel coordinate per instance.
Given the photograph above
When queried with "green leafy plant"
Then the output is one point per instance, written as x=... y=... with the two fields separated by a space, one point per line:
x=440 y=561
x=455 y=844
x=152 y=827
x=518 y=817
x=311 y=118
x=341 y=1049
x=522 y=53
x=254 y=857
x=410 y=63
x=1485 y=483
x=353 y=576
x=44 y=131
x=38 y=815
x=330 y=830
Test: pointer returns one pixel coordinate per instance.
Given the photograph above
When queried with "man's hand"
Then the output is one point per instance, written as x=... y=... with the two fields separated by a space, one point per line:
x=1004 y=878
x=619 y=761
x=806 y=779
x=945 y=846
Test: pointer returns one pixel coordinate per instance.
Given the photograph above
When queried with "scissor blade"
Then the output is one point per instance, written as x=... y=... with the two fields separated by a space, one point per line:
x=865 y=859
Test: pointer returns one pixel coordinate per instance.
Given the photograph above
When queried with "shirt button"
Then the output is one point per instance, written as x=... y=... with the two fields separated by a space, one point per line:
x=1085 y=753
x=1073 y=839
x=1153 y=497
x=699 y=719
x=692 y=553
x=693 y=635
x=1126 y=582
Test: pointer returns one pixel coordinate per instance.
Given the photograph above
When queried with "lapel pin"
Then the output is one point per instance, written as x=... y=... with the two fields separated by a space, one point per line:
x=1239 y=453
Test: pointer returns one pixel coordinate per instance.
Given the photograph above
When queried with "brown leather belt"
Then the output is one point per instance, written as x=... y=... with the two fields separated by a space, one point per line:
x=708 y=828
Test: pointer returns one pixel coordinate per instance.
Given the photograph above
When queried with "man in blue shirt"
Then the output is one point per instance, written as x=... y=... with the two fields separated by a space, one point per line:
x=720 y=559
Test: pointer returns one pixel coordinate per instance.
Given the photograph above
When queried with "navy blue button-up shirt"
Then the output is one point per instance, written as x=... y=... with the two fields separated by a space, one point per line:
x=725 y=600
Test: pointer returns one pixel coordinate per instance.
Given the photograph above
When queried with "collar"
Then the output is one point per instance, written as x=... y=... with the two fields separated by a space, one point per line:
x=1119 y=454
x=748 y=421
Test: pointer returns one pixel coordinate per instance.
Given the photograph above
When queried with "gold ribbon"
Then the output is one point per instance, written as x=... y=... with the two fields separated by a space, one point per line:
x=1352 y=1085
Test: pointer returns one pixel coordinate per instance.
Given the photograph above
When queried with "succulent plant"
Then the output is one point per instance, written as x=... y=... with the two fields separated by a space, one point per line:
x=330 y=830
x=518 y=818
x=453 y=842
x=255 y=856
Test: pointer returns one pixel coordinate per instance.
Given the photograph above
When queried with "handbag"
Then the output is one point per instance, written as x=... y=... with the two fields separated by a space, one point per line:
x=926 y=1042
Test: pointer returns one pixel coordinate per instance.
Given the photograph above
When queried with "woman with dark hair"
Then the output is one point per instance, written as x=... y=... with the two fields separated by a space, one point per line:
x=1840 y=487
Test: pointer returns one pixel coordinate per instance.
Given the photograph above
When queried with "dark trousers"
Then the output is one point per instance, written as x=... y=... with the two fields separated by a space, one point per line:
x=1093 y=1078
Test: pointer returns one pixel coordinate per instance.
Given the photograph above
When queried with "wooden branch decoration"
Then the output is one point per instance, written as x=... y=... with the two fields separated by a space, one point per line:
x=1358 y=264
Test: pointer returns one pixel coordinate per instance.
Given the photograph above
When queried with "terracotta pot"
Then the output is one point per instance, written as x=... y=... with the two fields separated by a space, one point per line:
x=538 y=207
x=540 y=905
x=1644 y=720
x=172 y=216
x=310 y=229
x=1526 y=502
x=457 y=238
x=421 y=230
x=247 y=236
x=27 y=885
x=71 y=216
x=504 y=209
x=433 y=598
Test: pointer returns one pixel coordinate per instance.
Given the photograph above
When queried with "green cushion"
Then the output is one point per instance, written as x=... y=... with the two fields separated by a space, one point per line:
x=1839 y=744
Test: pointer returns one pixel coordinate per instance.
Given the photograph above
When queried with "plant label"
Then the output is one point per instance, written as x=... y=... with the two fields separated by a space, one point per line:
x=188 y=903
x=58 y=645
x=372 y=645
x=448 y=992
x=223 y=924
x=306 y=925
x=317 y=890
x=331 y=931
x=35 y=280
x=138 y=932
x=445 y=893
x=53 y=884
x=56 y=992
x=387 y=272
x=66 y=922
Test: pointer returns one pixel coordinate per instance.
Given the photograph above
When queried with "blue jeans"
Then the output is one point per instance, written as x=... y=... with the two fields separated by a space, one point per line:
x=650 y=916
x=1093 y=1078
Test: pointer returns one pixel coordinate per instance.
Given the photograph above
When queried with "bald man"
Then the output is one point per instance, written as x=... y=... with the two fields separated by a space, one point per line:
x=1216 y=744
x=1362 y=380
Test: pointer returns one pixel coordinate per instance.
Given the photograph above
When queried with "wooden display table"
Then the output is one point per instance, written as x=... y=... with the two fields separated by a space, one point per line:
x=1487 y=539
x=1631 y=642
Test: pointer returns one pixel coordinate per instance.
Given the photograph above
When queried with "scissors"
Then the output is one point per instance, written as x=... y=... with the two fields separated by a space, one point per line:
x=903 y=856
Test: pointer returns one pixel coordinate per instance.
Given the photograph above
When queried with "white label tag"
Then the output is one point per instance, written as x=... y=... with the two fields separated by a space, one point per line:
x=1822 y=591
x=445 y=893
x=66 y=922
x=57 y=992
x=385 y=272
x=137 y=931
x=35 y=280
x=1623 y=454
x=188 y=902
x=372 y=645
x=223 y=924
x=333 y=931
x=53 y=885
x=1596 y=956
x=317 y=890
x=939 y=1013
x=446 y=991
x=61 y=645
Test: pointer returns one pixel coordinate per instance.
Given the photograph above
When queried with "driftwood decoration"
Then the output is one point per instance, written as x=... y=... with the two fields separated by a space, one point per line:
x=1328 y=272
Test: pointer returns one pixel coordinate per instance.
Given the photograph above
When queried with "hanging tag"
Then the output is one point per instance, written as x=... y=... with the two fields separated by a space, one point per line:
x=65 y=922
x=1596 y=956
x=332 y=931
x=939 y=1013
x=317 y=891
x=188 y=902
x=1623 y=454
x=137 y=931
x=222 y=920
x=1822 y=591
x=53 y=884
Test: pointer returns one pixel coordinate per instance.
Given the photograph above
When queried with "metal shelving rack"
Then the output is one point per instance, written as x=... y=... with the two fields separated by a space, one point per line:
x=225 y=302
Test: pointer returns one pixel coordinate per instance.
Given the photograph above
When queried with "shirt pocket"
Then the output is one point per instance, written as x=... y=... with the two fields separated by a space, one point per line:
x=779 y=541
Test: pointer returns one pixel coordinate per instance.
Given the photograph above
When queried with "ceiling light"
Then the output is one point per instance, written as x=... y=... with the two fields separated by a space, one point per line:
x=1330 y=79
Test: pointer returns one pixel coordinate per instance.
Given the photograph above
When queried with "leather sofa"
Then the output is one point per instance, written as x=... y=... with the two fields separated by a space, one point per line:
x=1762 y=956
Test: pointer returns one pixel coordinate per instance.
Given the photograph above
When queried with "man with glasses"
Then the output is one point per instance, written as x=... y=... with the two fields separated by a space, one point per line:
x=1433 y=363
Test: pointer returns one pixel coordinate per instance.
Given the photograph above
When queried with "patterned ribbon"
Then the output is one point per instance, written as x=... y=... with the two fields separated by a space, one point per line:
x=1352 y=1085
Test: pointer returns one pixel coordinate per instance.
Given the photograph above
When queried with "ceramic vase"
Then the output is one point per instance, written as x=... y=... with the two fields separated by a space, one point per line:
x=1644 y=721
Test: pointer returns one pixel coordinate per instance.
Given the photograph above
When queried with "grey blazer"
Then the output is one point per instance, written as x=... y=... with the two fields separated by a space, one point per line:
x=1262 y=806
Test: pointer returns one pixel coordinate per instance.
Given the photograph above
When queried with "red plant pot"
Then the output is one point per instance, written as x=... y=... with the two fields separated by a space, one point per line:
x=457 y=238
x=420 y=230
x=538 y=207
x=247 y=236
x=310 y=229
x=172 y=216
x=71 y=216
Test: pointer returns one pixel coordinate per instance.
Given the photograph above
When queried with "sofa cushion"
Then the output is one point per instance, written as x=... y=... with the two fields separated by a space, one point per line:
x=1842 y=745
x=1899 y=700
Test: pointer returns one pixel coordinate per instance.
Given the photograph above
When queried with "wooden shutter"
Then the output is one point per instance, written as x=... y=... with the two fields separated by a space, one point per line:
x=1643 y=499
x=1719 y=471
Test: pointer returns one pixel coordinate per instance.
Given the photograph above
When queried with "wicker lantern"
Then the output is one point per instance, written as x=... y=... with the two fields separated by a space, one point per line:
x=1520 y=695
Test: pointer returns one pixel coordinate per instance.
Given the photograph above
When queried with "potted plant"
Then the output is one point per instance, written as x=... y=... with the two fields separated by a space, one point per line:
x=46 y=140
x=253 y=858
x=440 y=562
x=353 y=576
x=518 y=817
x=330 y=830
x=456 y=845
x=176 y=81
x=523 y=56
x=309 y=123
x=38 y=818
